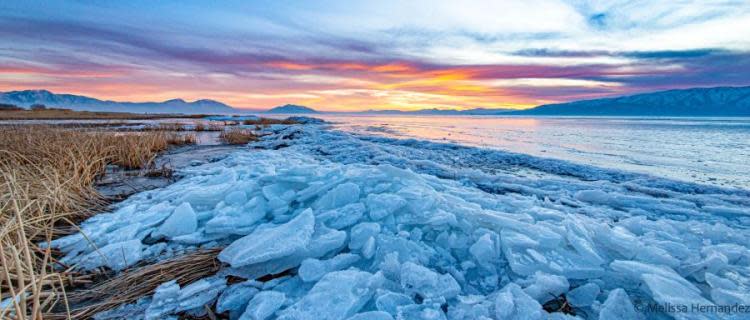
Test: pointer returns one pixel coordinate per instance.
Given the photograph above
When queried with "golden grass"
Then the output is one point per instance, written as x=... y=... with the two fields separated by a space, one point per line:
x=268 y=121
x=237 y=136
x=59 y=114
x=46 y=186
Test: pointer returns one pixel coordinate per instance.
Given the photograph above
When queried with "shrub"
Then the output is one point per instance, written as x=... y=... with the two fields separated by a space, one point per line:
x=237 y=136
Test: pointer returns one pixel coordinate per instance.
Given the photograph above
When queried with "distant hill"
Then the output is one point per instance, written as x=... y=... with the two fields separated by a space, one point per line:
x=291 y=109
x=27 y=98
x=697 y=102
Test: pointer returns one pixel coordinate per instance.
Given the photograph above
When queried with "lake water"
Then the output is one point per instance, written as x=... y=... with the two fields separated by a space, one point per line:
x=712 y=151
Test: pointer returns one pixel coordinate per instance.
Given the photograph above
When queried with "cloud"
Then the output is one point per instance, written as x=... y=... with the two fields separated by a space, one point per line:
x=385 y=54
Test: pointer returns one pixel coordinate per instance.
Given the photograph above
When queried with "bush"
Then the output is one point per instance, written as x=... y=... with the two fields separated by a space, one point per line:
x=237 y=136
x=38 y=106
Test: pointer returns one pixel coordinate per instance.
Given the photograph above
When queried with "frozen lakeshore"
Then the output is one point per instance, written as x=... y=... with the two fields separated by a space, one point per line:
x=365 y=227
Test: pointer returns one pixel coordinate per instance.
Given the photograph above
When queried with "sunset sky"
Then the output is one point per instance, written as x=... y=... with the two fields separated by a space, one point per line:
x=348 y=55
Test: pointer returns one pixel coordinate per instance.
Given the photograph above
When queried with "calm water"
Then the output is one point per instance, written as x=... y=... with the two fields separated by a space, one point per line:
x=705 y=150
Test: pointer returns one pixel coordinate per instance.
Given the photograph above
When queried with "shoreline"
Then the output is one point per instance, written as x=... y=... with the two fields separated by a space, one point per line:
x=119 y=183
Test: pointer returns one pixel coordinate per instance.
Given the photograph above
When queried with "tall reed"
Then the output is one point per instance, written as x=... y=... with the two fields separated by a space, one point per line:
x=46 y=187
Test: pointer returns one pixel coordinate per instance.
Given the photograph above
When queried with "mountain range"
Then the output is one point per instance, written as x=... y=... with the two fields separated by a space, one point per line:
x=717 y=102
x=26 y=98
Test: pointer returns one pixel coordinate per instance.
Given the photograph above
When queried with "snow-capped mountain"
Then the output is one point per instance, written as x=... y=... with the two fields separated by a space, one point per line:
x=27 y=98
x=718 y=101
x=291 y=108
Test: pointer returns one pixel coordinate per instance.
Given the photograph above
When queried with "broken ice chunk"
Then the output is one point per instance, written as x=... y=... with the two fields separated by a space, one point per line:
x=546 y=287
x=368 y=249
x=200 y=293
x=338 y=295
x=164 y=301
x=340 y=218
x=584 y=295
x=484 y=251
x=314 y=269
x=235 y=298
x=372 y=315
x=390 y=301
x=666 y=291
x=236 y=197
x=263 y=305
x=271 y=243
x=383 y=205
x=339 y=196
x=420 y=312
x=182 y=221
x=512 y=303
x=428 y=283
x=116 y=256
x=618 y=307
x=361 y=232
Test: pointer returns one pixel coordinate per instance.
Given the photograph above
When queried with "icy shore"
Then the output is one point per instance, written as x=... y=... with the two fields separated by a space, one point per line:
x=376 y=228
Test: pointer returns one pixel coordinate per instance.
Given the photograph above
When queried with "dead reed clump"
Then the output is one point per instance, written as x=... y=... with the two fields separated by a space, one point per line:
x=46 y=187
x=237 y=136
x=130 y=285
x=268 y=121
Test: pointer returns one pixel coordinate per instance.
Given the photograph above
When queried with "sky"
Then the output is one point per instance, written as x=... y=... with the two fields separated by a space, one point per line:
x=373 y=55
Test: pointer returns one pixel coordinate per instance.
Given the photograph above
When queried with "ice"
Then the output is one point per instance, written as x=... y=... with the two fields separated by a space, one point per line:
x=338 y=295
x=420 y=312
x=618 y=307
x=584 y=295
x=165 y=300
x=427 y=283
x=343 y=217
x=390 y=301
x=314 y=269
x=116 y=256
x=271 y=243
x=346 y=225
x=361 y=233
x=485 y=251
x=263 y=305
x=169 y=298
x=235 y=297
x=513 y=303
x=372 y=315
x=182 y=221
x=383 y=205
x=200 y=293
x=546 y=287
x=339 y=196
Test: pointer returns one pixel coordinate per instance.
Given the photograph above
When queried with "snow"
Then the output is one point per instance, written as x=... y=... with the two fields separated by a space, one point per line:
x=371 y=228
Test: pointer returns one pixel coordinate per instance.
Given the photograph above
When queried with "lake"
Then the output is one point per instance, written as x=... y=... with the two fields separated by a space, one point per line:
x=713 y=151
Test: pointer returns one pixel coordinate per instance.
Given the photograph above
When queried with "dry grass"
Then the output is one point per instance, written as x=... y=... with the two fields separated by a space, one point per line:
x=237 y=136
x=46 y=178
x=130 y=285
x=211 y=126
x=60 y=114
